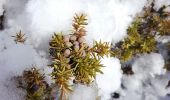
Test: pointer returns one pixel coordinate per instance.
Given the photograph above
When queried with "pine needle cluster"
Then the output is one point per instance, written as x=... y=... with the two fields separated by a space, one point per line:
x=156 y=20
x=73 y=60
x=33 y=82
x=135 y=43
x=142 y=33
x=19 y=37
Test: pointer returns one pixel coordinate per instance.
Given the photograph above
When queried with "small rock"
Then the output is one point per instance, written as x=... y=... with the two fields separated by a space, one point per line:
x=2 y=21
x=115 y=95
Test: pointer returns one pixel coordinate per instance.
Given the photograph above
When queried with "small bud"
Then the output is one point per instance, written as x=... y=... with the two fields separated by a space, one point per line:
x=68 y=44
x=81 y=39
x=66 y=38
x=73 y=38
x=67 y=52
x=76 y=47
x=76 y=43
x=82 y=32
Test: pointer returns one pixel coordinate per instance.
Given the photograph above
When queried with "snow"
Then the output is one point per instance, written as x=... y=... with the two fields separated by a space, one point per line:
x=13 y=61
x=151 y=64
x=1 y=6
x=53 y=13
x=111 y=75
x=82 y=92
x=108 y=21
x=159 y=3
x=149 y=81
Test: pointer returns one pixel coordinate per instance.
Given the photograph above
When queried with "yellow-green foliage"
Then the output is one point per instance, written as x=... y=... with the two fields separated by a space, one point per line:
x=19 y=37
x=135 y=43
x=73 y=59
x=141 y=34
x=156 y=20
x=33 y=82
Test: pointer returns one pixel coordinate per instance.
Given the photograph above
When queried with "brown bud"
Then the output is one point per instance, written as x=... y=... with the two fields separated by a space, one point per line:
x=82 y=32
x=73 y=38
x=66 y=38
x=68 y=44
x=76 y=43
x=76 y=33
x=76 y=47
x=81 y=40
x=67 y=52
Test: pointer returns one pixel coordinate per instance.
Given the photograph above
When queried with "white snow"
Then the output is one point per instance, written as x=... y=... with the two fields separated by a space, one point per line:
x=104 y=17
x=1 y=6
x=110 y=80
x=13 y=61
x=151 y=64
x=82 y=92
x=149 y=81
x=108 y=21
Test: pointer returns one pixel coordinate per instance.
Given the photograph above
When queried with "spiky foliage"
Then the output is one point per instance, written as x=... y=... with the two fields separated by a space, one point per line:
x=33 y=82
x=156 y=20
x=101 y=49
x=135 y=43
x=62 y=75
x=142 y=32
x=19 y=37
x=73 y=58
